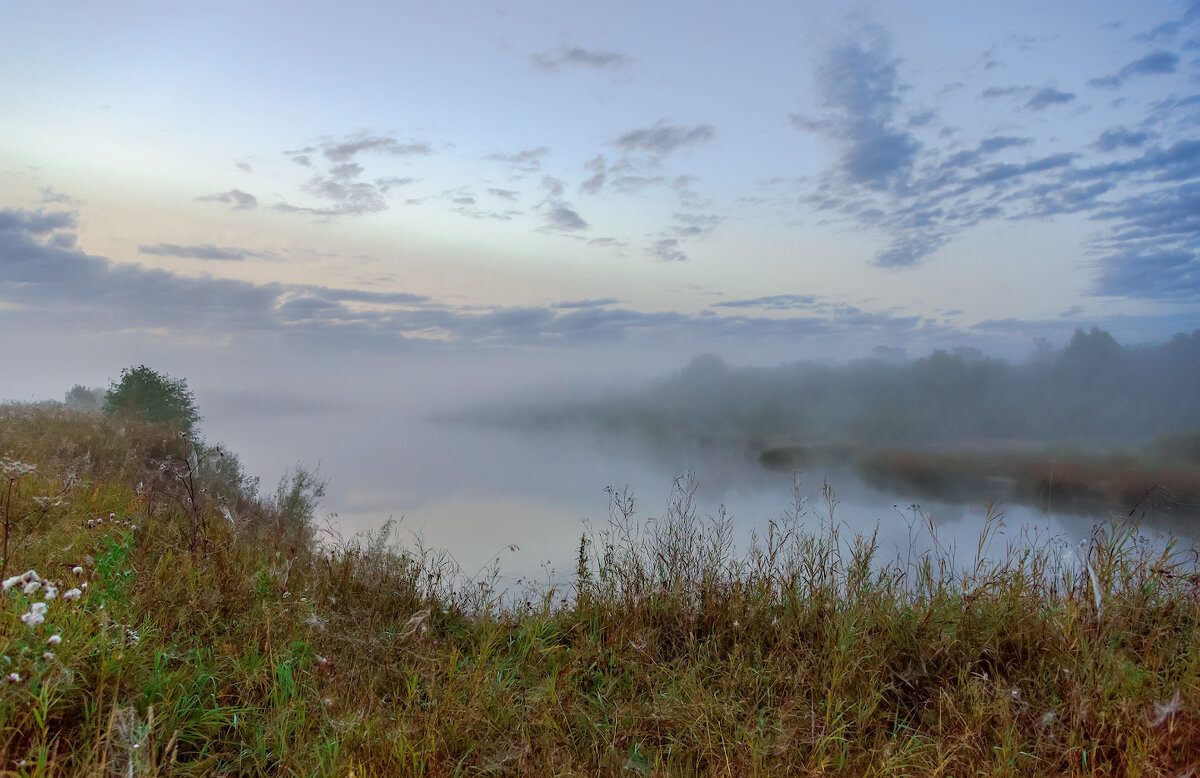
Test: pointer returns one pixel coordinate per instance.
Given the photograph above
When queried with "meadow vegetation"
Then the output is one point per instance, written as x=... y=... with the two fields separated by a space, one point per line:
x=213 y=629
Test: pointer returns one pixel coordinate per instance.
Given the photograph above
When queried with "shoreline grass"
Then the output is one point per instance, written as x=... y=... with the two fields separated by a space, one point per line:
x=209 y=644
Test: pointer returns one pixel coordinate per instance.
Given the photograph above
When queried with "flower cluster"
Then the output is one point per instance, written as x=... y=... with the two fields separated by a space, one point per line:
x=112 y=520
x=31 y=584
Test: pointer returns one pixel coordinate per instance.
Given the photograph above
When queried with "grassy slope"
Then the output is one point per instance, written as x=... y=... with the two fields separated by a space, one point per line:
x=201 y=647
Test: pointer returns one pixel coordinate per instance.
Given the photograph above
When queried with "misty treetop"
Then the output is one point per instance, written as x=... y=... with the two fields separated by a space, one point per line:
x=1092 y=391
x=155 y=397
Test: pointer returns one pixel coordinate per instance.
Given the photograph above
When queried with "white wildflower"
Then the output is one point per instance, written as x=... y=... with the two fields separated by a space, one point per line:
x=14 y=678
x=77 y=570
x=83 y=585
x=11 y=582
x=51 y=592
x=54 y=639
x=39 y=608
x=48 y=655
x=112 y=516
x=30 y=575
x=32 y=587
x=735 y=624
x=32 y=619
x=91 y=522
x=72 y=594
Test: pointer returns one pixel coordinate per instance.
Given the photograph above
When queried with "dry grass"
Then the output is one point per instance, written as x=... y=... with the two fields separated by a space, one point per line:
x=207 y=647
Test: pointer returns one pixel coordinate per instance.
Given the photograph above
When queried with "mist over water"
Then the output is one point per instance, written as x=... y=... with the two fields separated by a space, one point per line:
x=487 y=489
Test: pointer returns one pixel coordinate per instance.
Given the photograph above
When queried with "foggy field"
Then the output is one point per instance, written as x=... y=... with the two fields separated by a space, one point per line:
x=883 y=567
x=174 y=619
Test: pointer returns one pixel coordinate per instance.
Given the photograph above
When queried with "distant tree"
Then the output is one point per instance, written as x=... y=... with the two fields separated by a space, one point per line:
x=83 y=398
x=155 y=397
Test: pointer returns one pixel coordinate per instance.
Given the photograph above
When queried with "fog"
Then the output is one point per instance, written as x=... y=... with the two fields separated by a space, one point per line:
x=509 y=456
x=1092 y=392
x=506 y=456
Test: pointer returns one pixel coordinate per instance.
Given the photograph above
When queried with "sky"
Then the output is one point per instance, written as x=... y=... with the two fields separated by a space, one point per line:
x=355 y=194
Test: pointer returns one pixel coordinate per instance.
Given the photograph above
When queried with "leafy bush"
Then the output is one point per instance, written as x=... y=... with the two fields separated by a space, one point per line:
x=155 y=397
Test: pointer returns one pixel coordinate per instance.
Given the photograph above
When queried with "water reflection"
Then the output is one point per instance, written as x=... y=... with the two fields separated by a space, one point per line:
x=478 y=491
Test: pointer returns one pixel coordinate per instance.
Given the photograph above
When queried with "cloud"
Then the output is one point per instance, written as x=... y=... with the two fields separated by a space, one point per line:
x=599 y=175
x=667 y=250
x=241 y=201
x=663 y=138
x=560 y=217
x=338 y=184
x=1048 y=96
x=203 y=251
x=52 y=197
x=993 y=92
x=859 y=89
x=346 y=149
x=527 y=161
x=777 y=302
x=244 y=167
x=577 y=56
x=36 y=223
x=503 y=194
x=695 y=225
x=42 y=278
x=1121 y=138
x=602 y=302
x=1155 y=63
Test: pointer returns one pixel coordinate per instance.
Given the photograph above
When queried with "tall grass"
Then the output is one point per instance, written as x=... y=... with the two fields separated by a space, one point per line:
x=256 y=645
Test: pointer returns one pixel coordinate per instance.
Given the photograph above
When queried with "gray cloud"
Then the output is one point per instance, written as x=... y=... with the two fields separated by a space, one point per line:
x=41 y=273
x=52 y=197
x=576 y=56
x=36 y=222
x=346 y=149
x=561 y=217
x=1048 y=96
x=503 y=194
x=667 y=250
x=203 y=251
x=527 y=161
x=598 y=168
x=859 y=89
x=588 y=303
x=778 y=302
x=1155 y=63
x=663 y=138
x=338 y=185
x=1121 y=138
x=241 y=201
x=244 y=167
x=995 y=91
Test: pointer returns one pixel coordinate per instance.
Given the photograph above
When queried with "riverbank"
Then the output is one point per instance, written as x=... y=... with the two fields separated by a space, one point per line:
x=1136 y=484
x=216 y=631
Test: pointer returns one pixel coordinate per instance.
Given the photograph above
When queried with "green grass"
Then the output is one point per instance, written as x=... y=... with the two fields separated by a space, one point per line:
x=259 y=647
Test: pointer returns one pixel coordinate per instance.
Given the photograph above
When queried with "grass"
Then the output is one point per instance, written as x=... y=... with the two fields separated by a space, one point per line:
x=258 y=646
